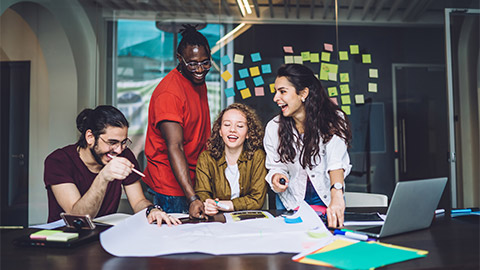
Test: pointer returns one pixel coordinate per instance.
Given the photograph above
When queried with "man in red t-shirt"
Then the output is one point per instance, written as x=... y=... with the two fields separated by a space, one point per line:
x=178 y=127
x=86 y=178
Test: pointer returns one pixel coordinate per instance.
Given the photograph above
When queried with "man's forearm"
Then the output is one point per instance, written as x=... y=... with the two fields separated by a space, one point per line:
x=91 y=201
x=179 y=165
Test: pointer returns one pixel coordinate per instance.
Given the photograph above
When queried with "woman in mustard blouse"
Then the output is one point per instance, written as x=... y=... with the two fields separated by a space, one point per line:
x=230 y=174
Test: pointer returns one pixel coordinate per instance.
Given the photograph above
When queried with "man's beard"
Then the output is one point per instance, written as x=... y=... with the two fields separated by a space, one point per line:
x=96 y=156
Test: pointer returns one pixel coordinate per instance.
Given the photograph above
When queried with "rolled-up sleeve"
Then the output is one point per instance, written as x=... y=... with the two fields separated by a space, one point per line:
x=270 y=143
x=337 y=156
x=203 y=187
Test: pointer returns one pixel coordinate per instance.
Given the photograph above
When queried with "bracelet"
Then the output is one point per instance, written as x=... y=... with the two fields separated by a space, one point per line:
x=193 y=198
x=151 y=207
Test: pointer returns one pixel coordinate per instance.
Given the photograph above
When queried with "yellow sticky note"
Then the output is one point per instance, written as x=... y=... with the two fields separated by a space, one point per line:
x=346 y=100
x=366 y=58
x=226 y=75
x=325 y=56
x=254 y=71
x=354 y=49
x=359 y=99
x=289 y=59
x=305 y=56
x=343 y=55
x=346 y=109
x=344 y=77
x=372 y=87
x=344 y=89
x=332 y=77
x=332 y=91
x=245 y=93
x=373 y=73
x=238 y=59
x=315 y=57
x=327 y=68
x=272 y=88
x=297 y=59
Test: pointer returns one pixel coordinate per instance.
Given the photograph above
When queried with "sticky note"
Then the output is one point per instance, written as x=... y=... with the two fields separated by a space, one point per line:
x=293 y=220
x=62 y=237
x=243 y=73
x=305 y=56
x=344 y=77
x=42 y=235
x=332 y=77
x=272 y=88
x=315 y=57
x=327 y=68
x=288 y=49
x=366 y=58
x=259 y=91
x=258 y=81
x=328 y=47
x=297 y=59
x=267 y=68
x=354 y=49
x=245 y=93
x=256 y=57
x=334 y=100
x=346 y=109
x=372 y=87
x=332 y=91
x=346 y=100
x=241 y=84
x=229 y=92
x=289 y=59
x=344 y=89
x=254 y=71
x=359 y=99
x=373 y=73
x=238 y=59
x=225 y=60
x=325 y=56
x=314 y=234
x=343 y=55
x=226 y=75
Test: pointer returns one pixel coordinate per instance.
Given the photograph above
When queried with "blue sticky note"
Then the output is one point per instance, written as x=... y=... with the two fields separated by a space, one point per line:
x=266 y=69
x=225 y=60
x=241 y=84
x=229 y=92
x=258 y=81
x=256 y=57
x=243 y=73
x=293 y=220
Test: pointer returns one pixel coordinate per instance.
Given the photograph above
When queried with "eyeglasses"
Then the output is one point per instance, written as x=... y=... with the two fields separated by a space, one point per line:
x=113 y=144
x=193 y=66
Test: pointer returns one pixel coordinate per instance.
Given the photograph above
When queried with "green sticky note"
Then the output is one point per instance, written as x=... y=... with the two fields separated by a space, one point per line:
x=346 y=109
x=332 y=91
x=305 y=56
x=297 y=59
x=366 y=58
x=327 y=68
x=315 y=57
x=354 y=49
x=42 y=235
x=344 y=89
x=344 y=77
x=288 y=59
x=343 y=55
x=62 y=237
x=325 y=56
x=346 y=100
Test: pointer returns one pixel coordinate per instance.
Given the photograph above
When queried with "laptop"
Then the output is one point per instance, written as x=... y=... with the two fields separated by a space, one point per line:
x=412 y=207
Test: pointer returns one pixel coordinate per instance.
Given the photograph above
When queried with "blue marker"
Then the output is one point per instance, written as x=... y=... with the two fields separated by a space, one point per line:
x=351 y=235
x=456 y=211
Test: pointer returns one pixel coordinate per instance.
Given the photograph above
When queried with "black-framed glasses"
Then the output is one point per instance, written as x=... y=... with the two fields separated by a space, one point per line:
x=113 y=144
x=193 y=66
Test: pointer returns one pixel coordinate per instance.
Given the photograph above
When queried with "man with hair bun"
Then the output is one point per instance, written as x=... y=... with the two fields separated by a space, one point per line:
x=178 y=127
x=86 y=178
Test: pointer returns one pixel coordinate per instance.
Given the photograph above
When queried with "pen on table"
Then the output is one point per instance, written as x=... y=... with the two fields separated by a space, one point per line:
x=467 y=210
x=133 y=169
x=352 y=235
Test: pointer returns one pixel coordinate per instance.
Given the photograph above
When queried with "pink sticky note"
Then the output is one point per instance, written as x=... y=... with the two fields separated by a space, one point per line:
x=288 y=49
x=259 y=91
x=328 y=47
x=334 y=100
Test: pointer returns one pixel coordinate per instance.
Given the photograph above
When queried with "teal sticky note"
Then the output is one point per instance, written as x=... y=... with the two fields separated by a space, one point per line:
x=258 y=81
x=241 y=84
x=225 y=60
x=256 y=57
x=267 y=68
x=293 y=220
x=243 y=73
x=229 y=92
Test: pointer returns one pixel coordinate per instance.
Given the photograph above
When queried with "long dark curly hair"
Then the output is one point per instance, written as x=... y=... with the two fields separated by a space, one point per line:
x=215 y=143
x=323 y=118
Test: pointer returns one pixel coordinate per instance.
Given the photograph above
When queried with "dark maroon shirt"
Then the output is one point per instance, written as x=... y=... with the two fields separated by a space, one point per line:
x=65 y=166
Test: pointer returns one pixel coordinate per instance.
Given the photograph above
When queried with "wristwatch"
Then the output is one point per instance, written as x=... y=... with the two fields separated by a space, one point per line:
x=151 y=207
x=193 y=198
x=338 y=186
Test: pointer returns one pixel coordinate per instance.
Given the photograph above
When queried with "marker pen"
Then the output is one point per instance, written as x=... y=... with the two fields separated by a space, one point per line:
x=352 y=235
x=221 y=205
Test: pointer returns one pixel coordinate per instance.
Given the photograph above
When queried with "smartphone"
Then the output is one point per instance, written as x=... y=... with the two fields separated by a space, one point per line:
x=78 y=222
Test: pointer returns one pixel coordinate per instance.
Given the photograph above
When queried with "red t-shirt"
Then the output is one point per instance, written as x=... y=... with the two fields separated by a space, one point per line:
x=175 y=99
x=65 y=166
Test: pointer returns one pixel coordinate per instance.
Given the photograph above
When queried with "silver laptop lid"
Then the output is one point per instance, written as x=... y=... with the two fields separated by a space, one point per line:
x=413 y=205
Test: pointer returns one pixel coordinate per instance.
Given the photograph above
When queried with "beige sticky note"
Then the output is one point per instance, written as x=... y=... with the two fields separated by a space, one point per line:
x=305 y=56
x=346 y=109
x=344 y=77
x=297 y=59
x=245 y=93
x=226 y=75
x=315 y=57
x=326 y=56
x=238 y=59
x=254 y=71
x=327 y=68
x=359 y=99
x=372 y=87
x=346 y=100
x=366 y=58
x=289 y=59
x=332 y=77
x=344 y=89
x=343 y=55
x=272 y=88
x=332 y=91
x=373 y=73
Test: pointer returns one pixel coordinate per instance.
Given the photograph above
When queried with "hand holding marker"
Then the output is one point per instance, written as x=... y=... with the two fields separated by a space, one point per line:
x=221 y=205
x=133 y=169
